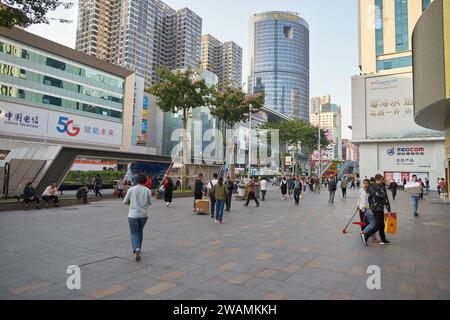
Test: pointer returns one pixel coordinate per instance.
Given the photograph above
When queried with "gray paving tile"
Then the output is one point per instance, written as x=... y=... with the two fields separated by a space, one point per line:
x=331 y=265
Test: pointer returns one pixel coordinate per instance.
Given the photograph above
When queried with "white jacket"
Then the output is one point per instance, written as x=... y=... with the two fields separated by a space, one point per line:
x=362 y=199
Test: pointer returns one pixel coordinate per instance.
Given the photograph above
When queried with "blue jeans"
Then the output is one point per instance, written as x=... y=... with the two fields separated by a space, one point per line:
x=220 y=204
x=137 y=232
x=415 y=204
x=370 y=218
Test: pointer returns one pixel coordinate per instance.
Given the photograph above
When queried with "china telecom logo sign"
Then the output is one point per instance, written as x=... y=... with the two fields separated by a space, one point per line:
x=391 y=151
x=68 y=127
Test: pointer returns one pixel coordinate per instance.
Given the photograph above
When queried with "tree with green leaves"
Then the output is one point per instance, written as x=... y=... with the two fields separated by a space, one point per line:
x=231 y=105
x=298 y=134
x=180 y=91
x=24 y=13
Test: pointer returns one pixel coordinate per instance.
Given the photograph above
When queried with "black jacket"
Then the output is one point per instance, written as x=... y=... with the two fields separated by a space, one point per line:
x=332 y=185
x=378 y=198
x=198 y=187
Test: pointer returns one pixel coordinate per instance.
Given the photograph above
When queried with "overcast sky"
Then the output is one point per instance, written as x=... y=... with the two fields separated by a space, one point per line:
x=333 y=37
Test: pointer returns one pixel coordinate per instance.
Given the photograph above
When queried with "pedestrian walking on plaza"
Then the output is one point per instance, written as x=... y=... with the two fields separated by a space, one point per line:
x=344 y=184
x=220 y=191
x=378 y=200
x=139 y=198
x=422 y=184
x=393 y=187
x=178 y=184
x=198 y=189
x=230 y=188
x=149 y=182
x=97 y=181
x=251 y=186
x=51 y=194
x=365 y=214
x=168 y=191
x=209 y=187
x=358 y=181
x=427 y=185
x=332 y=187
x=311 y=184
x=298 y=187
x=263 y=184
x=443 y=186
x=317 y=185
x=404 y=183
x=352 y=185
x=121 y=187
x=30 y=195
x=283 y=188
x=289 y=186
x=415 y=197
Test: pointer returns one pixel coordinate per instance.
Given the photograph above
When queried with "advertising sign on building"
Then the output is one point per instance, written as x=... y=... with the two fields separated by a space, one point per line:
x=390 y=108
x=288 y=161
x=407 y=156
x=48 y=124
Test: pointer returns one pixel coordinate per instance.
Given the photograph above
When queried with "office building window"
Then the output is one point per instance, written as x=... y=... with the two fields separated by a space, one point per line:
x=395 y=63
x=401 y=25
x=379 y=27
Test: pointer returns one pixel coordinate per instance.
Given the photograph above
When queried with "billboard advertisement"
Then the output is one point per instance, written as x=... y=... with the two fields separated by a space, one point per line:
x=390 y=108
x=48 y=124
x=408 y=156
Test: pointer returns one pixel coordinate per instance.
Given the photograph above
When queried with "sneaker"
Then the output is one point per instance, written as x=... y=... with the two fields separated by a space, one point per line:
x=138 y=254
x=363 y=238
x=416 y=214
x=385 y=243
x=216 y=221
x=167 y=204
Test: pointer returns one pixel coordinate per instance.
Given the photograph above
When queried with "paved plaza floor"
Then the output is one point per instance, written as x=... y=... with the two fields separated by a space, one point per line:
x=277 y=251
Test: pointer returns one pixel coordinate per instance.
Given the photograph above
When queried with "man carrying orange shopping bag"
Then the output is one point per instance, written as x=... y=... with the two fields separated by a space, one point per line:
x=390 y=223
x=378 y=200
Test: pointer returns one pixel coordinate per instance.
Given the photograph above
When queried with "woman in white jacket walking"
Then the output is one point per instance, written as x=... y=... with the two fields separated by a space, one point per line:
x=365 y=214
x=139 y=198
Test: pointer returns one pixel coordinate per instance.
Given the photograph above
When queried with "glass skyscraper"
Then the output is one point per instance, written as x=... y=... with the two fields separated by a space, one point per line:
x=279 y=61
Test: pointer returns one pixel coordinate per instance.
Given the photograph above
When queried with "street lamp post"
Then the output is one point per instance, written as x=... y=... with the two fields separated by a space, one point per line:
x=250 y=144
x=320 y=152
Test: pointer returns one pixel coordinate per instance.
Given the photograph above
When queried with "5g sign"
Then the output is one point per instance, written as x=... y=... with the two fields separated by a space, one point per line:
x=66 y=126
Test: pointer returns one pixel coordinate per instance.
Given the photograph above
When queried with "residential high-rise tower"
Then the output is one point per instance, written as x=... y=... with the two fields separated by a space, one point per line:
x=223 y=59
x=140 y=35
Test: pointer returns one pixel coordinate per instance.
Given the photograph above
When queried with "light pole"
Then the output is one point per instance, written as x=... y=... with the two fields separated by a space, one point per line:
x=319 y=142
x=250 y=143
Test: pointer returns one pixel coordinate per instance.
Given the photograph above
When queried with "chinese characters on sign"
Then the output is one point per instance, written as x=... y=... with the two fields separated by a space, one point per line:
x=392 y=107
x=21 y=119
x=47 y=124
x=98 y=132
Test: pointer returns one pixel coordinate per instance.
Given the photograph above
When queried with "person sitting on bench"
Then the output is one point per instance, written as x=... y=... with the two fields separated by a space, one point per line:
x=51 y=194
x=82 y=193
x=29 y=195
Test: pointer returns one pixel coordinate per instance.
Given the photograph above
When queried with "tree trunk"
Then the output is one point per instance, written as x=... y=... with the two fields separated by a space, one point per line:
x=185 y=159
x=232 y=176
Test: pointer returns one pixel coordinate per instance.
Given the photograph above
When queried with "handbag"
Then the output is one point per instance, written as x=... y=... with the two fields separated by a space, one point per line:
x=390 y=221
